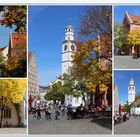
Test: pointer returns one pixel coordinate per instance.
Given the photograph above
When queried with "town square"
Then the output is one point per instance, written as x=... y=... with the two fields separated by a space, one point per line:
x=127 y=102
x=126 y=37
x=74 y=96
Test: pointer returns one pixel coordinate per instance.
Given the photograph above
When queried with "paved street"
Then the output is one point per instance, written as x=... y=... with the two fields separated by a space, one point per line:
x=132 y=126
x=64 y=126
x=126 y=62
x=13 y=131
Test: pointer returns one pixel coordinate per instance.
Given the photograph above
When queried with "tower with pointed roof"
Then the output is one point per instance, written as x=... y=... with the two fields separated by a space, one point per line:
x=131 y=92
x=68 y=49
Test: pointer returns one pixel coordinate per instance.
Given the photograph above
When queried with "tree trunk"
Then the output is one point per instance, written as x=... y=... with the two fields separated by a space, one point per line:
x=91 y=99
x=17 y=106
x=1 y=120
x=85 y=103
x=97 y=96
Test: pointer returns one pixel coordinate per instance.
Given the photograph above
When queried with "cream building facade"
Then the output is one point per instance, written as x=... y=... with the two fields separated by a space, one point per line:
x=33 y=88
x=10 y=116
x=4 y=51
x=116 y=99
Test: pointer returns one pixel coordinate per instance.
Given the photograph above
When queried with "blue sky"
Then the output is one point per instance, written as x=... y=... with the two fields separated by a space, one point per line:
x=119 y=12
x=46 y=31
x=122 y=79
x=4 y=36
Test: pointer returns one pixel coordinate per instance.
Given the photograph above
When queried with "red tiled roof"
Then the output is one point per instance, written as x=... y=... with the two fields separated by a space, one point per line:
x=135 y=19
x=19 y=40
x=29 y=55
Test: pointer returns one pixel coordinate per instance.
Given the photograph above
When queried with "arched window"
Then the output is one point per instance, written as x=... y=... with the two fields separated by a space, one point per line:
x=65 y=47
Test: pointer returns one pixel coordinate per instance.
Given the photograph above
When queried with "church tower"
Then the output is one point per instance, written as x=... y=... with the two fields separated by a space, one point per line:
x=68 y=49
x=131 y=92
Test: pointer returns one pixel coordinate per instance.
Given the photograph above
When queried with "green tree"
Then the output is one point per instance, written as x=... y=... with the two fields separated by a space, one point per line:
x=1 y=64
x=126 y=108
x=118 y=36
x=55 y=92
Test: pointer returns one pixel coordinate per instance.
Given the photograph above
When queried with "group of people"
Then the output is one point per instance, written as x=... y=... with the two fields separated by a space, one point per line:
x=121 y=118
x=54 y=110
x=48 y=110
x=88 y=112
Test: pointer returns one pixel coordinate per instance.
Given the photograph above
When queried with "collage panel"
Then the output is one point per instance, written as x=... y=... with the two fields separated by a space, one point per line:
x=13 y=106
x=127 y=37
x=13 y=41
x=13 y=67
x=126 y=102
x=70 y=69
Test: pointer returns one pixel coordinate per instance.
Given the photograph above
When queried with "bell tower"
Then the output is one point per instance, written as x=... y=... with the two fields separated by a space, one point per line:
x=131 y=92
x=68 y=49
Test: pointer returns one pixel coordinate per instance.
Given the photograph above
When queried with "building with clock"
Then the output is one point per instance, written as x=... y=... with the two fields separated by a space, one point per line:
x=131 y=92
x=132 y=101
x=68 y=49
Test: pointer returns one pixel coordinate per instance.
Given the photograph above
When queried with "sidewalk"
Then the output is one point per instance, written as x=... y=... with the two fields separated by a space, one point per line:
x=13 y=131
x=126 y=62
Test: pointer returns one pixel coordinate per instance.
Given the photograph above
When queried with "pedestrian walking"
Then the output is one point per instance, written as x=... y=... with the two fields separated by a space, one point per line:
x=133 y=53
x=57 y=113
x=38 y=109
x=49 y=113
x=34 y=111
x=46 y=112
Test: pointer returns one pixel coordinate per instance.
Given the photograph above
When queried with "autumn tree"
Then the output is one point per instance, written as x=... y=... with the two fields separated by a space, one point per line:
x=14 y=17
x=97 y=19
x=11 y=91
x=93 y=72
x=92 y=62
x=133 y=39
x=15 y=67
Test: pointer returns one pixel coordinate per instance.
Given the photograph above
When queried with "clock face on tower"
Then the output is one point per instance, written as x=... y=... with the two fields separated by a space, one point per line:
x=65 y=47
x=72 y=48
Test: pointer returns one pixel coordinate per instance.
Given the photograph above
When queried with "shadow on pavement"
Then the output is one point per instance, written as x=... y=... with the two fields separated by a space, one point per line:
x=103 y=121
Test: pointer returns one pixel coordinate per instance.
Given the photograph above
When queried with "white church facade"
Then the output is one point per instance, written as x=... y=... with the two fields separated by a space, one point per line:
x=68 y=49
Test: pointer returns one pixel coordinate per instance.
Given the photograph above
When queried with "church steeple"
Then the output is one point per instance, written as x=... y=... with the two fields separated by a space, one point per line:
x=68 y=49
x=131 y=92
x=69 y=33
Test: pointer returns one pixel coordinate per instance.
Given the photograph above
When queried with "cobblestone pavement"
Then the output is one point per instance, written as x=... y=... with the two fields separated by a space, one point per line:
x=64 y=126
x=13 y=131
x=131 y=126
x=126 y=62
